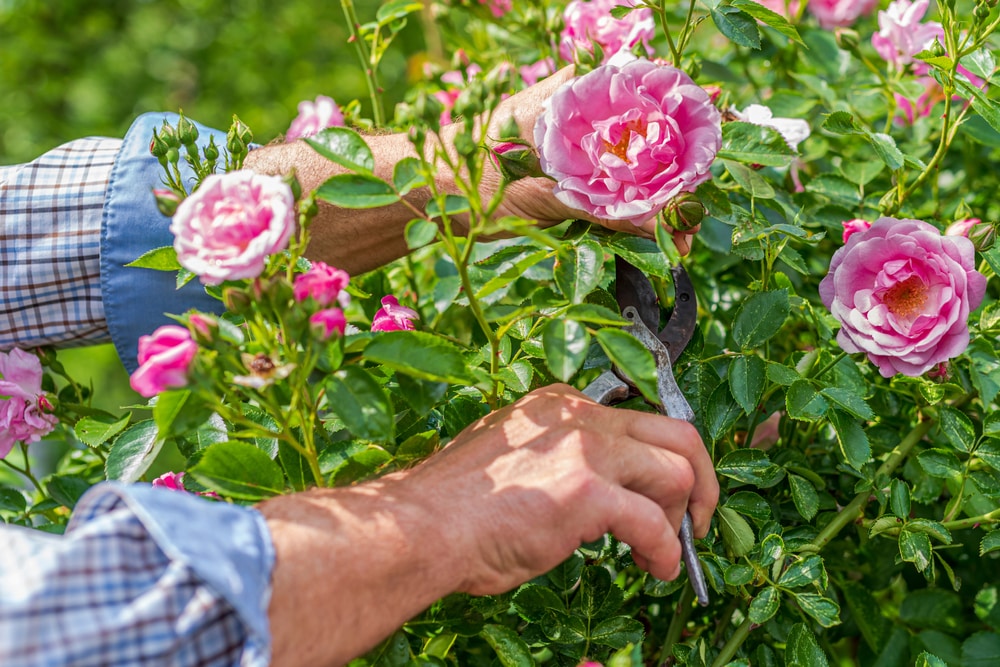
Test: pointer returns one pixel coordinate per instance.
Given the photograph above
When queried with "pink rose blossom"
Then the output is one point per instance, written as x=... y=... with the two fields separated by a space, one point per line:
x=498 y=7
x=23 y=406
x=901 y=35
x=314 y=117
x=170 y=480
x=535 y=72
x=852 y=227
x=839 y=13
x=226 y=229
x=962 y=227
x=902 y=293
x=328 y=321
x=165 y=359
x=324 y=283
x=393 y=317
x=793 y=130
x=589 y=22
x=623 y=140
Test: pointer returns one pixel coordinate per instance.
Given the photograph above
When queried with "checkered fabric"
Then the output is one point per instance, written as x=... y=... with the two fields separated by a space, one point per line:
x=50 y=234
x=108 y=594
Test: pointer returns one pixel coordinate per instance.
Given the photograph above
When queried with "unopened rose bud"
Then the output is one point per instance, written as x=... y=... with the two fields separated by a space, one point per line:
x=983 y=236
x=962 y=227
x=187 y=133
x=203 y=327
x=847 y=39
x=169 y=136
x=166 y=201
x=236 y=300
x=685 y=212
x=243 y=131
x=937 y=48
x=211 y=150
x=981 y=12
x=158 y=147
x=515 y=161
x=428 y=109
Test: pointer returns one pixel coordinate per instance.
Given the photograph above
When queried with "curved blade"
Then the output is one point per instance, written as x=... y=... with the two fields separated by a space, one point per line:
x=680 y=327
x=632 y=288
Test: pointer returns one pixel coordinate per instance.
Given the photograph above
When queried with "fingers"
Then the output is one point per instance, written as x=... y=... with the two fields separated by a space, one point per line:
x=640 y=523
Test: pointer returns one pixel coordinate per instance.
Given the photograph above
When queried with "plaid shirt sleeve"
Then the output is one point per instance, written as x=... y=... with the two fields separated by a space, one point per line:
x=136 y=582
x=50 y=233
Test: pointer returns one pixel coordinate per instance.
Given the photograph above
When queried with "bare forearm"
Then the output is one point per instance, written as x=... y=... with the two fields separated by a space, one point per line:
x=352 y=565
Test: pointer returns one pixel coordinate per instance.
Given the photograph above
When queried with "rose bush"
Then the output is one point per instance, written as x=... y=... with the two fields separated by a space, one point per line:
x=25 y=414
x=858 y=447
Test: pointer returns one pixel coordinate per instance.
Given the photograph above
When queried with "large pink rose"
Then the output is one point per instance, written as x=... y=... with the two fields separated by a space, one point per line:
x=228 y=227
x=164 y=360
x=839 y=13
x=314 y=117
x=22 y=403
x=902 y=35
x=623 y=140
x=588 y=22
x=902 y=293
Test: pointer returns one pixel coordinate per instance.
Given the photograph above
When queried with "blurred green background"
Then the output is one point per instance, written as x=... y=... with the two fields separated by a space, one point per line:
x=75 y=68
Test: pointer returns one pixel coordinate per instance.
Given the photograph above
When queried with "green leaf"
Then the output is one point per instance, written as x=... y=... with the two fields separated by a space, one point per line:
x=356 y=191
x=990 y=543
x=849 y=401
x=12 y=500
x=517 y=375
x=178 y=412
x=853 y=441
x=926 y=659
x=66 y=489
x=739 y=575
x=579 y=269
x=407 y=175
x=509 y=647
x=764 y=606
x=361 y=403
x=981 y=63
x=565 y=343
x=632 y=358
x=737 y=534
x=809 y=570
x=95 y=431
x=769 y=18
x=899 y=498
x=751 y=504
x=750 y=180
x=958 y=428
x=133 y=452
x=802 y=650
x=754 y=144
x=866 y=612
x=345 y=147
x=594 y=314
x=746 y=380
x=420 y=354
x=420 y=232
x=737 y=25
x=421 y=395
x=617 y=632
x=781 y=374
x=928 y=527
x=641 y=253
x=532 y=601
x=940 y=463
x=760 y=317
x=158 y=259
x=989 y=451
x=751 y=466
x=598 y=595
x=804 y=496
x=984 y=106
x=823 y=610
x=804 y=402
x=395 y=10
x=453 y=205
x=239 y=470
x=915 y=548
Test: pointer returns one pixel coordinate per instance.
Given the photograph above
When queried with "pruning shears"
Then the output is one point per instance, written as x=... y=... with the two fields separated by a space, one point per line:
x=639 y=305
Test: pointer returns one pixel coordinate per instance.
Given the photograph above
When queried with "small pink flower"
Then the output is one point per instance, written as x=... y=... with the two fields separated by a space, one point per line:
x=901 y=35
x=314 y=117
x=589 y=22
x=24 y=409
x=962 y=227
x=170 y=480
x=793 y=130
x=324 y=283
x=204 y=325
x=328 y=321
x=839 y=13
x=498 y=7
x=903 y=293
x=624 y=139
x=165 y=359
x=226 y=229
x=393 y=317
x=535 y=72
x=854 y=226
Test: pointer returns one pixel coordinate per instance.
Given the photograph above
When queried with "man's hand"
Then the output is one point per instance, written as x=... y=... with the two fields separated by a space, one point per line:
x=511 y=497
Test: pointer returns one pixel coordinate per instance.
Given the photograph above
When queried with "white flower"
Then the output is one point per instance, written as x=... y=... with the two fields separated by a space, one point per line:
x=793 y=130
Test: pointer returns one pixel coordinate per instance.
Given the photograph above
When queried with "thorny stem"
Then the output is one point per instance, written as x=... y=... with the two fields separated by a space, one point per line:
x=674 y=53
x=365 y=57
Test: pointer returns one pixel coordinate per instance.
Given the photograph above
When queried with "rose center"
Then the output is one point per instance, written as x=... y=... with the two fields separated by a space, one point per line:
x=621 y=148
x=906 y=299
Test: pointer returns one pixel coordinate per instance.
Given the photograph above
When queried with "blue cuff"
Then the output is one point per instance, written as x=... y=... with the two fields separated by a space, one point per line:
x=228 y=547
x=136 y=301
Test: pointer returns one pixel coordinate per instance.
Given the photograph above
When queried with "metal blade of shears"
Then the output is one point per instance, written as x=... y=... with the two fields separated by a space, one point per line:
x=632 y=288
